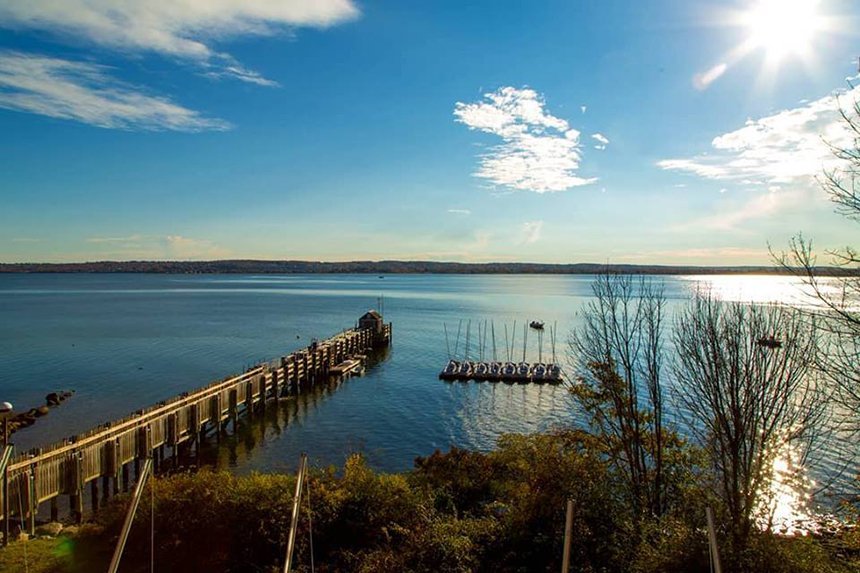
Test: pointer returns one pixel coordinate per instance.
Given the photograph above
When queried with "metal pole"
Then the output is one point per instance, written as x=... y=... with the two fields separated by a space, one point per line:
x=716 y=567
x=129 y=517
x=5 y=457
x=493 y=329
x=568 y=526
x=447 y=344
x=291 y=541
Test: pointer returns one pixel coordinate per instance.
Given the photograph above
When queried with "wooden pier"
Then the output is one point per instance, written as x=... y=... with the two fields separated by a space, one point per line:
x=518 y=373
x=115 y=451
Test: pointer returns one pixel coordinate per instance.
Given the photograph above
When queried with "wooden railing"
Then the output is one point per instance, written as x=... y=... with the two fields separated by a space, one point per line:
x=108 y=451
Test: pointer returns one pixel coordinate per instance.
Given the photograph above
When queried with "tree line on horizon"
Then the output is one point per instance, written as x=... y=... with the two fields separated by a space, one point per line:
x=400 y=267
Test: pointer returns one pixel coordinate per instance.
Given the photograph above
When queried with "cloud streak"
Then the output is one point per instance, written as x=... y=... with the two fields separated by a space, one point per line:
x=84 y=92
x=531 y=231
x=185 y=29
x=539 y=152
x=785 y=147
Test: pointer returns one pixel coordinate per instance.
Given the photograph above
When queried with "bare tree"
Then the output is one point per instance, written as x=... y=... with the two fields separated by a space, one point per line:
x=618 y=353
x=837 y=298
x=745 y=375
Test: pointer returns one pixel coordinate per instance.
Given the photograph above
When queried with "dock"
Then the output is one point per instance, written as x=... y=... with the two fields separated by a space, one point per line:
x=113 y=452
x=515 y=373
x=522 y=372
x=349 y=366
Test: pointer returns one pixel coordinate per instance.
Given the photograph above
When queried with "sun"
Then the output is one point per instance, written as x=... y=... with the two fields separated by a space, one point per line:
x=783 y=27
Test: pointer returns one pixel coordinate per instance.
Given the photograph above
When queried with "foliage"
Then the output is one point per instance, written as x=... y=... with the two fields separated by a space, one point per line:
x=460 y=511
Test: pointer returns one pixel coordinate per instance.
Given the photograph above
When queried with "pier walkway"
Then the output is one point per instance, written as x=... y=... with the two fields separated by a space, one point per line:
x=115 y=451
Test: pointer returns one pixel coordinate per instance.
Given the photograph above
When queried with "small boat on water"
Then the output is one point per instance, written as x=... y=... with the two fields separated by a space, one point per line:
x=539 y=373
x=465 y=369
x=536 y=324
x=523 y=372
x=481 y=371
x=769 y=342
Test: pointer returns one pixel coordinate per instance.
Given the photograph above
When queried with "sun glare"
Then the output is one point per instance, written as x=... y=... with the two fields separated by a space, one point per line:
x=783 y=27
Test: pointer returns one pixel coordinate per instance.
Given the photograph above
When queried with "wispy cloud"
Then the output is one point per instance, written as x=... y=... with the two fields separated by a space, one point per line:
x=758 y=206
x=186 y=29
x=531 y=231
x=460 y=211
x=139 y=246
x=84 y=92
x=602 y=141
x=188 y=248
x=788 y=146
x=703 y=256
x=539 y=152
x=773 y=160
x=129 y=239
x=703 y=80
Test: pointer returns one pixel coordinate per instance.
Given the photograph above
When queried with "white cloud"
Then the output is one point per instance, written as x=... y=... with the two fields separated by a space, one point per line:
x=180 y=28
x=602 y=141
x=539 y=152
x=531 y=231
x=84 y=92
x=789 y=146
x=583 y=108
x=460 y=211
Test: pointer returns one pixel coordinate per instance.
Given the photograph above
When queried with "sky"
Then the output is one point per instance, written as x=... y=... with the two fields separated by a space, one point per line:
x=658 y=132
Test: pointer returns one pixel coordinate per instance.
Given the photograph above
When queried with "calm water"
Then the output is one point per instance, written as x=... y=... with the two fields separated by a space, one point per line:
x=126 y=341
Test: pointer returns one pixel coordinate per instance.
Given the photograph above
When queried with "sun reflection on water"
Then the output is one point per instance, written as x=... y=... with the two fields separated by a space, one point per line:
x=785 y=503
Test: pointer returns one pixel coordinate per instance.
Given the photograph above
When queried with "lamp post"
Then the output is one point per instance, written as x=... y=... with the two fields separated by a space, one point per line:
x=5 y=411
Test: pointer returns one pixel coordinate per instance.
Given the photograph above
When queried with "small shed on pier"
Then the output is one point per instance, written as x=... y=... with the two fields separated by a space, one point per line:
x=372 y=320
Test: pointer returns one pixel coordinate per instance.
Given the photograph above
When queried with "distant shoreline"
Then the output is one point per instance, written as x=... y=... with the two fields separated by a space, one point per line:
x=391 y=267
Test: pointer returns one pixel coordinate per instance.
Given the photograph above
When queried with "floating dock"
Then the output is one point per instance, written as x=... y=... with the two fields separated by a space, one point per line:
x=511 y=372
x=350 y=366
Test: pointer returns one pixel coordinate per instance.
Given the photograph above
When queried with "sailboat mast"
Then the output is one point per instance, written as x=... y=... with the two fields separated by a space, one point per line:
x=540 y=345
x=525 y=339
x=447 y=344
x=484 y=343
x=457 y=343
x=493 y=330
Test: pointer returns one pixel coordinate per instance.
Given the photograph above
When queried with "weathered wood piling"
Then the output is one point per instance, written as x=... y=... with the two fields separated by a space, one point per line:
x=115 y=451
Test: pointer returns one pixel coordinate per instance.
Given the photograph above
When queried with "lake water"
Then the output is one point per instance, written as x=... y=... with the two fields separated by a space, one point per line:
x=126 y=341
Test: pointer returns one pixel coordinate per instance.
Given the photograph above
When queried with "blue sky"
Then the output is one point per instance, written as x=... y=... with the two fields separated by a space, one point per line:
x=680 y=132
